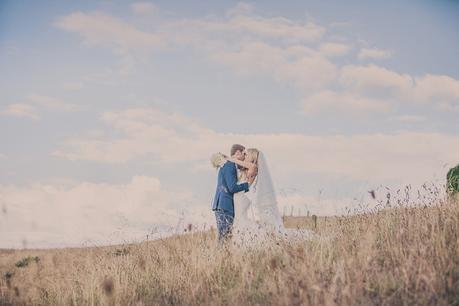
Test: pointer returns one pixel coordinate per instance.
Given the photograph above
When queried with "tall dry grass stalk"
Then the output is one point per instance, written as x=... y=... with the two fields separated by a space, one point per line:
x=399 y=256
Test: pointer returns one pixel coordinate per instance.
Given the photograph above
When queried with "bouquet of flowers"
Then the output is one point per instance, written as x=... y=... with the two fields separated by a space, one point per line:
x=218 y=160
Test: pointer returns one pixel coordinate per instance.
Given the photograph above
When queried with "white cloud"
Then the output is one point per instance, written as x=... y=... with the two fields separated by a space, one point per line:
x=23 y=110
x=372 y=78
x=400 y=157
x=344 y=103
x=105 y=30
x=52 y=104
x=239 y=26
x=299 y=66
x=410 y=118
x=291 y=52
x=35 y=103
x=340 y=24
x=331 y=49
x=278 y=27
x=143 y=7
x=374 y=53
x=241 y=8
x=207 y=35
x=71 y=213
x=172 y=131
x=439 y=90
x=72 y=86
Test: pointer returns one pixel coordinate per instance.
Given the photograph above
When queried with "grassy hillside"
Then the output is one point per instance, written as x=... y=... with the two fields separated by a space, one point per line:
x=401 y=256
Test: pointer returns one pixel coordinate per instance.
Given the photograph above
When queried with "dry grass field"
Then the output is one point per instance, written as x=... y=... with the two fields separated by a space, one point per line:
x=397 y=256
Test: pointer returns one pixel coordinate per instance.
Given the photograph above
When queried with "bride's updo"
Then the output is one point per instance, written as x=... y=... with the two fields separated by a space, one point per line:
x=252 y=155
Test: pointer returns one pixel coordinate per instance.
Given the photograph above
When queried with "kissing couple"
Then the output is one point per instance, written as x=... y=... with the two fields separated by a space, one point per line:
x=245 y=203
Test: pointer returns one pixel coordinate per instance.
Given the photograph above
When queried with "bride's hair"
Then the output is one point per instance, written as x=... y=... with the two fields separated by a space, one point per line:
x=252 y=155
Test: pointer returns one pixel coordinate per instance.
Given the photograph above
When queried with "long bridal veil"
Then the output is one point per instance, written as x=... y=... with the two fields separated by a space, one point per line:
x=264 y=197
x=264 y=201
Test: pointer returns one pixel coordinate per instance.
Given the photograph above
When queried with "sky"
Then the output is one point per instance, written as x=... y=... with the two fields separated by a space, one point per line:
x=110 y=110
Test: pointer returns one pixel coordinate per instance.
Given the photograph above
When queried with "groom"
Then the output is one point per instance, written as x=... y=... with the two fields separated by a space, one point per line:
x=227 y=186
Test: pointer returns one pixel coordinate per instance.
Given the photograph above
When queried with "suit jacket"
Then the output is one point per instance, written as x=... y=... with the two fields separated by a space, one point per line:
x=226 y=187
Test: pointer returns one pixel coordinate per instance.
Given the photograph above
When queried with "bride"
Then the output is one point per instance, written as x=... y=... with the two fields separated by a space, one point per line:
x=257 y=217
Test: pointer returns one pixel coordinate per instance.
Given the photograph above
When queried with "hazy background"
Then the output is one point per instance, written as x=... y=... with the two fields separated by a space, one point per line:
x=109 y=110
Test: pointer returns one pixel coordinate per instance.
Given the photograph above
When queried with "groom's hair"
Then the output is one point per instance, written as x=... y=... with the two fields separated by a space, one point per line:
x=237 y=147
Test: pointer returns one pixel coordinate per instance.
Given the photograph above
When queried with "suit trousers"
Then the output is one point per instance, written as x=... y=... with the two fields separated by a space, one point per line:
x=224 y=224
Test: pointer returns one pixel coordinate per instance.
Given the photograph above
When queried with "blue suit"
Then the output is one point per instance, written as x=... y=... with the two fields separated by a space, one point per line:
x=223 y=203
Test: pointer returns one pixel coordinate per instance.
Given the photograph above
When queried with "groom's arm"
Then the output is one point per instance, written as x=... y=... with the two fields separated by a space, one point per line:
x=231 y=179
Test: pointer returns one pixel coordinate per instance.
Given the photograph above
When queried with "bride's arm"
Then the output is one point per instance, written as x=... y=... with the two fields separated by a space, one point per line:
x=242 y=163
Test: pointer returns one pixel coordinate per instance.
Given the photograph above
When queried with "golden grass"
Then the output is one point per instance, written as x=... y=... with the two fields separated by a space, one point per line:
x=399 y=256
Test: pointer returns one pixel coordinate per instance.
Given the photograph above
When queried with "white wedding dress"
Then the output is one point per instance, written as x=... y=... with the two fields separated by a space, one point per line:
x=257 y=218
